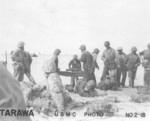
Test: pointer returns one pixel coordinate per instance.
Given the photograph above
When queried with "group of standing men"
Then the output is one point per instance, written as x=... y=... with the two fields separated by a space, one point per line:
x=126 y=63
x=88 y=63
x=120 y=63
x=116 y=64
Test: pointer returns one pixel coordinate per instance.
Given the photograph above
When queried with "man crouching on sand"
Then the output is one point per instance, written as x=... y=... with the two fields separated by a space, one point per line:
x=55 y=85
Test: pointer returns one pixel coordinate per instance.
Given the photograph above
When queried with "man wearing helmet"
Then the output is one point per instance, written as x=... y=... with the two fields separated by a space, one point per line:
x=51 y=65
x=21 y=63
x=146 y=64
x=133 y=61
x=89 y=81
x=54 y=85
x=74 y=66
x=95 y=64
x=95 y=54
x=108 y=57
x=87 y=60
x=121 y=59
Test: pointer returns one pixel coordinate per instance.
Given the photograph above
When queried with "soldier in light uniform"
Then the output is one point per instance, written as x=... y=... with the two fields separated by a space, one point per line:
x=21 y=63
x=146 y=65
x=121 y=59
x=55 y=85
x=133 y=61
x=109 y=56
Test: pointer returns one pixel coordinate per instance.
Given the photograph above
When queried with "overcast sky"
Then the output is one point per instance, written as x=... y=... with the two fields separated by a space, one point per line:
x=48 y=24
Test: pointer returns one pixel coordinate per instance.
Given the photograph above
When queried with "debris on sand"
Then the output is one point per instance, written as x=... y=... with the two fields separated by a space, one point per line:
x=107 y=108
x=70 y=88
x=140 y=98
x=82 y=89
x=40 y=99
x=36 y=91
x=112 y=99
x=107 y=85
x=143 y=90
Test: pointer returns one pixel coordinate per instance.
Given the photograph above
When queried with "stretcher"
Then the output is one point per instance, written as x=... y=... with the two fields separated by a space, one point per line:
x=71 y=73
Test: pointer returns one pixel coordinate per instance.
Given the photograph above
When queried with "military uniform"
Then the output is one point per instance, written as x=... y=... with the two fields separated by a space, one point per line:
x=95 y=64
x=55 y=85
x=89 y=80
x=87 y=60
x=133 y=61
x=74 y=65
x=108 y=57
x=121 y=59
x=146 y=65
x=56 y=90
x=27 y=62
x=21 y=63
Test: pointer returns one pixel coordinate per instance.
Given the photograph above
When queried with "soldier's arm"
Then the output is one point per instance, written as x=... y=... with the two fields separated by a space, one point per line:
x=15 y=57
x=103 y=56
x=56 y=63
x=83 y=58
x=117 y=62
x=141 y=53
x=138 y=61
x=70 y=64
x=127 y=59
x=96 y=64
x=115 y=53
x=30 y=59
x=79 y=65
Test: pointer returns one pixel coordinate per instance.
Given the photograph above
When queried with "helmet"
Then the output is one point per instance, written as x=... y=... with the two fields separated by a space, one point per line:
x=57 y=51
x=107 y=43
x=20 y=44
x=134 y=49
x=82 y=47
x=75 y=56
x=96 y=50
x=119 y=48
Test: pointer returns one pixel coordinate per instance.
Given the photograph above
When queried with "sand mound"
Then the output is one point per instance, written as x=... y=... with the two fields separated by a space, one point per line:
x=143 y=90
x=140 y=98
